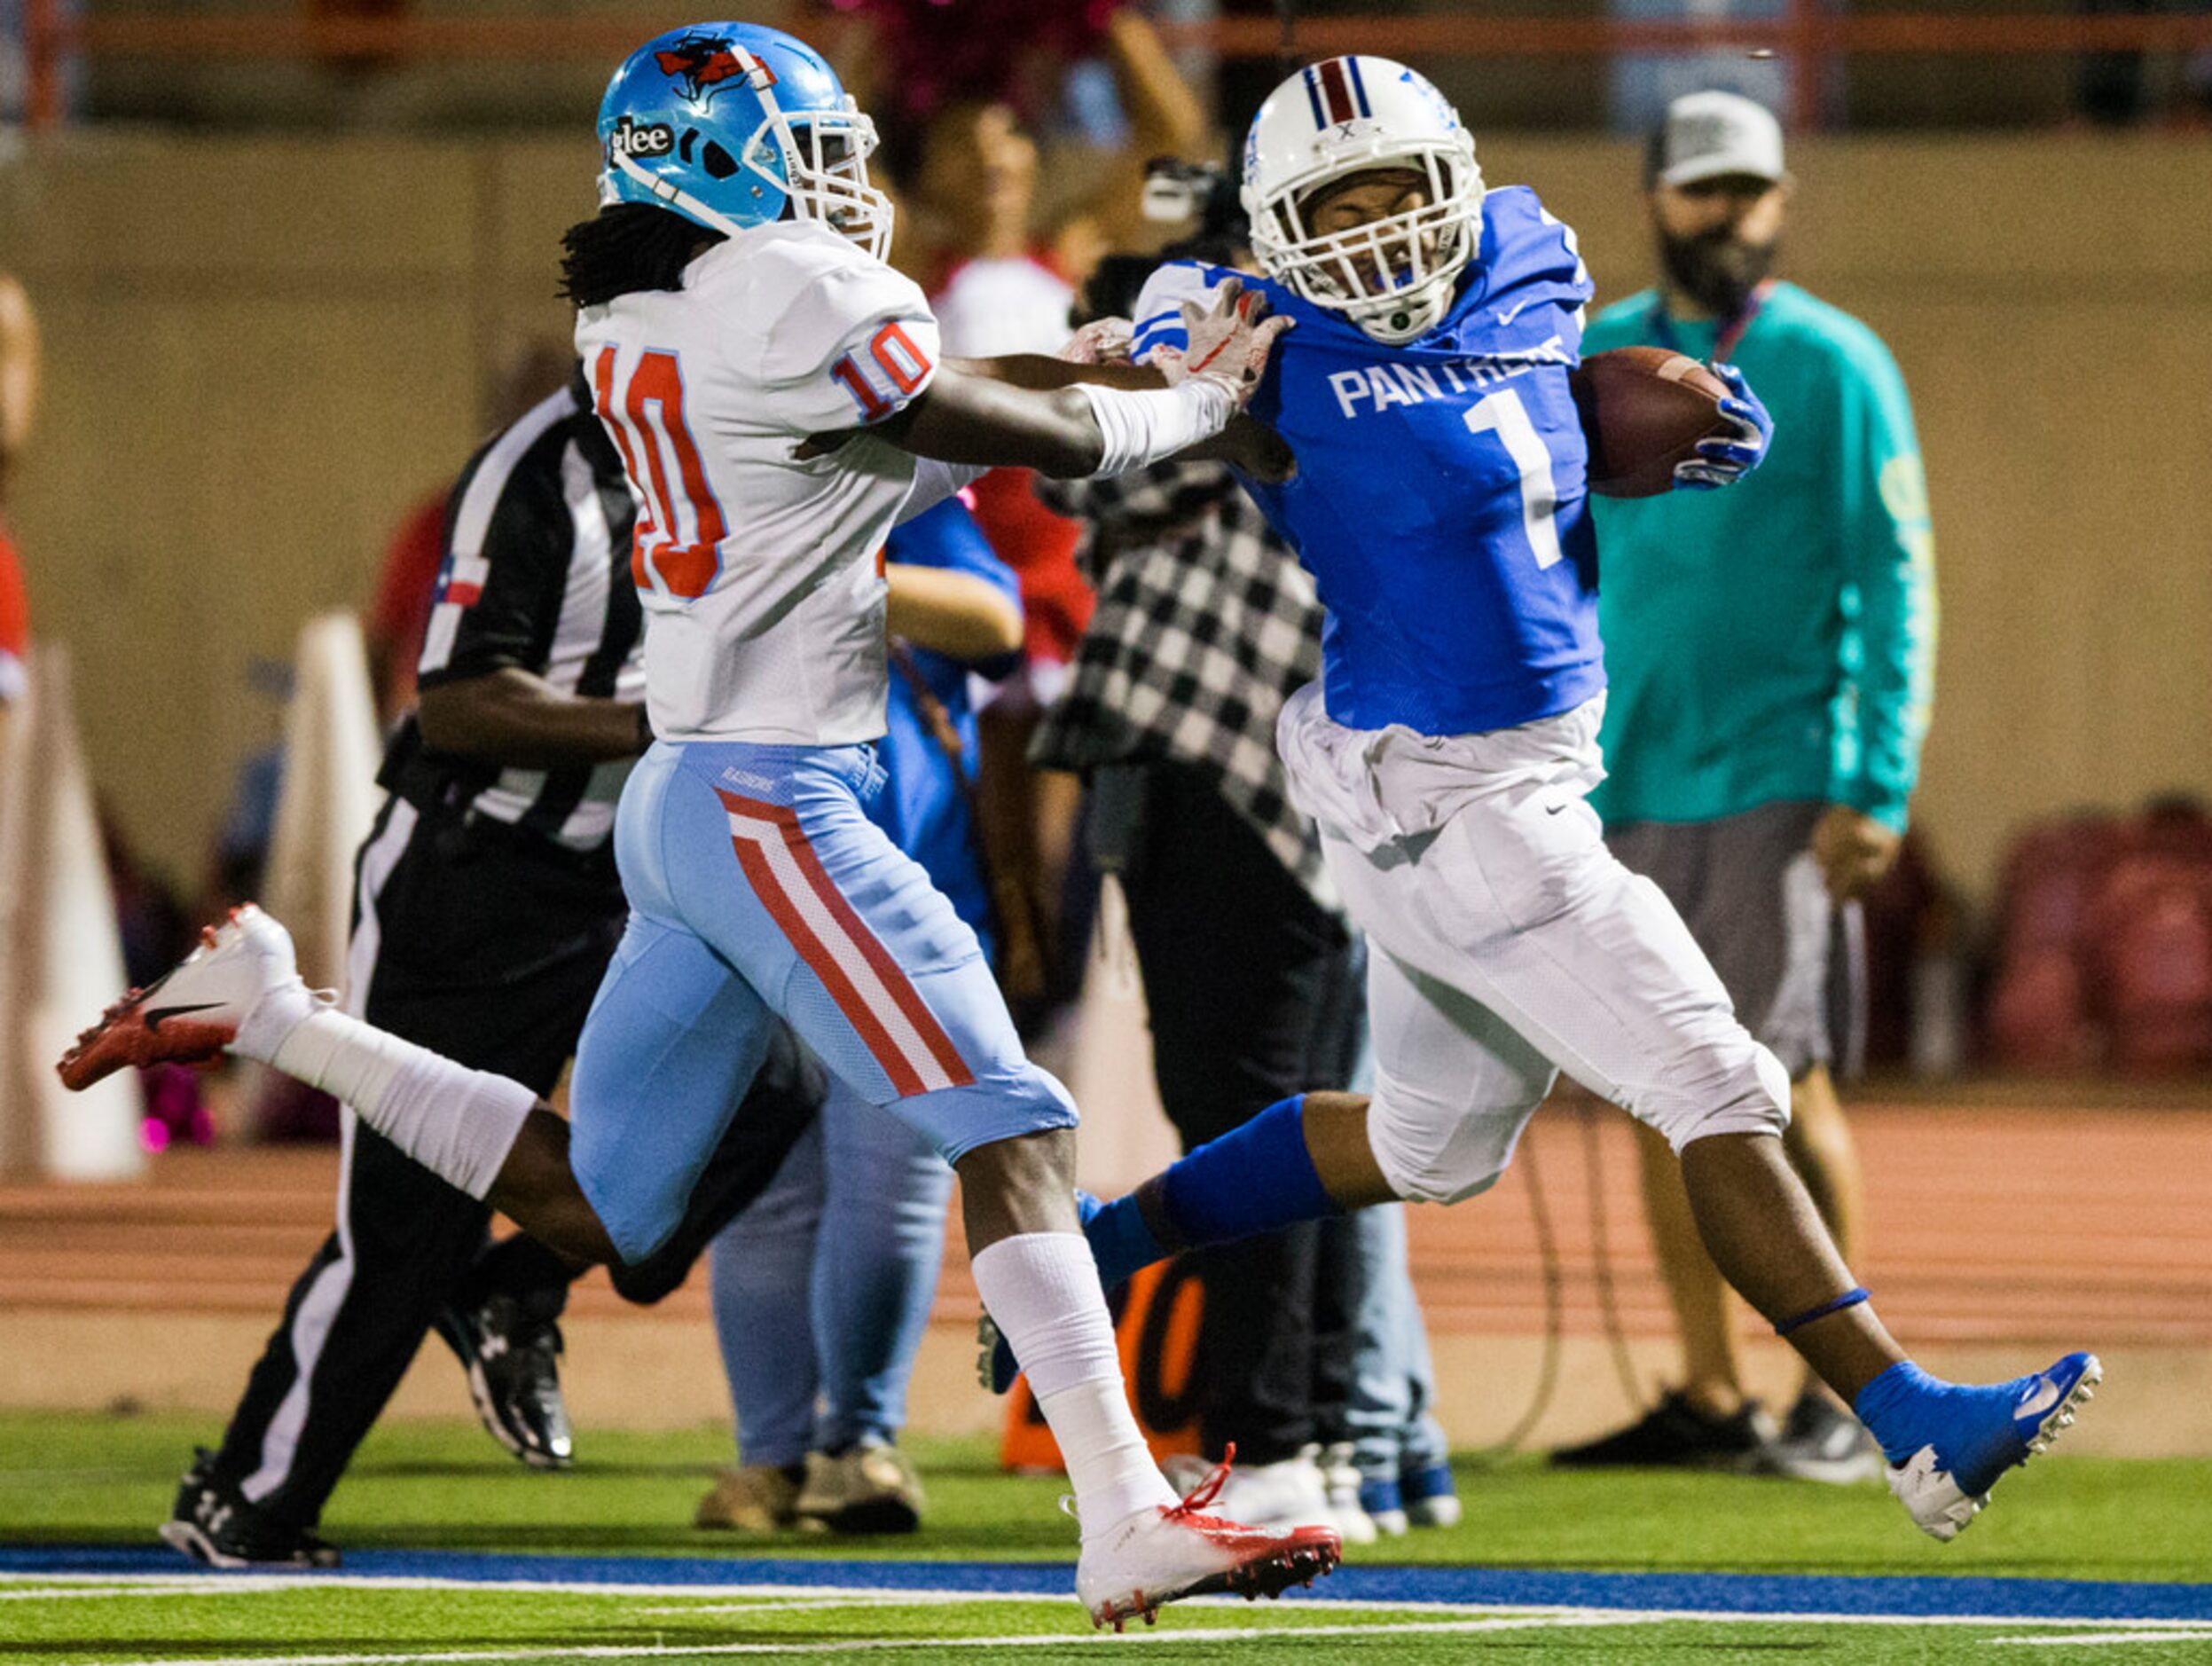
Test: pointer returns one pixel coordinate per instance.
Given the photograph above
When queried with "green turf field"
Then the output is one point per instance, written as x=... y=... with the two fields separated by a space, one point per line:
x=94 y=1482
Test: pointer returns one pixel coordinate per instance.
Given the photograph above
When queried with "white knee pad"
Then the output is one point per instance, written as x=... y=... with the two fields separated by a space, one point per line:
x=1437 y=1153
x=1728 y=1085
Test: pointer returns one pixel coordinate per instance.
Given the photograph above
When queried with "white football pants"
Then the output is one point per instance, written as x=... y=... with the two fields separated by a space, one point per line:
x=1507 y=944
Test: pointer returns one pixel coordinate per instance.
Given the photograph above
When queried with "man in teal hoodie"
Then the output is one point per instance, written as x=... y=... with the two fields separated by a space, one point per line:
x=1770 y=651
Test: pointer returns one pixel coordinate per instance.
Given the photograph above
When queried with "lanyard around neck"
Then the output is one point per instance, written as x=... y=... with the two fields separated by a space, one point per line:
x=1662 y=327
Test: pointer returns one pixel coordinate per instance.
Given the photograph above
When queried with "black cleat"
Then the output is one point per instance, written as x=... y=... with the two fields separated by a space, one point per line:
x=513 y=1361
x=214 y=1522
x=1822 y=1441
x=1676 y=1434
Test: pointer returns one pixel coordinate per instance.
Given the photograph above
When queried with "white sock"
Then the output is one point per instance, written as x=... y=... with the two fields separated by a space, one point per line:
x=457 y=1123
x=1042 y=1289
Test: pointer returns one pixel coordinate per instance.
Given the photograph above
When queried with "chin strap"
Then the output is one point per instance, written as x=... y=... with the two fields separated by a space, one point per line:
x=679 y=198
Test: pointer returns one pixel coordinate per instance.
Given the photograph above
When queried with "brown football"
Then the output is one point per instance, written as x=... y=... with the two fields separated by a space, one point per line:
x=1643 y=410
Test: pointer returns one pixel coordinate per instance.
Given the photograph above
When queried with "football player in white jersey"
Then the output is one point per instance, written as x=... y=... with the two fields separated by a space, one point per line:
x=773 y=387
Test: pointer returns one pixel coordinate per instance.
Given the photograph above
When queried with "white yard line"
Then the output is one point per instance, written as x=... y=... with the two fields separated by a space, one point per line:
x=1558 y=1619
x=687 y=1599
x=2130 y=1636
x=857 y=1646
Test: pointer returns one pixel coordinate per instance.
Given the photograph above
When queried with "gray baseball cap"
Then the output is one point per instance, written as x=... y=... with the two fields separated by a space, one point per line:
x=1707 y=135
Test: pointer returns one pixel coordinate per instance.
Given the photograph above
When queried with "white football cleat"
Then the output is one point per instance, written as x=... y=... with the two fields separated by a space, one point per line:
x=1293 y=1492
x=1173 y=1551
x=190 y=1015
x=1340 y=1483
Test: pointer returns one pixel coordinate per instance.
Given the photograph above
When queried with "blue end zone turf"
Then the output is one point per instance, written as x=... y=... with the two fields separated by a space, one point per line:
x=2061 y=1600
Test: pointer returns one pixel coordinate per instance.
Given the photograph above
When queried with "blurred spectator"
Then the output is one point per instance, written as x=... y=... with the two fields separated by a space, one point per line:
x=1918 y=1008
x=999 y=284
x=400 y=611
x=154 y=926
x=823 y=1288
x=1770 y=652
x=909 y=61
x=156 y=931
x=994 y=291
x=19 y=405
x=2113 y=89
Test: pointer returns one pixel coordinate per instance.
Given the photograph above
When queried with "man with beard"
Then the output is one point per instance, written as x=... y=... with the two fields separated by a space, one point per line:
x=1771 y=653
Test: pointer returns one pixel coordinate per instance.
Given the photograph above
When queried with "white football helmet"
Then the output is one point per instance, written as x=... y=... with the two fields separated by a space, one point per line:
x=1393 y=277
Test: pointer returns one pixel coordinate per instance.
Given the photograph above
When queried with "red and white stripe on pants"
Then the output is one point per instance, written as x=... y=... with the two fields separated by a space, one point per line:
x=877 y=997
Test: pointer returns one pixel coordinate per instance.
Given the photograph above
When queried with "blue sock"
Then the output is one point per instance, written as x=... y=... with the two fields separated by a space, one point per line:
x=1894 y=1406
x=1120 y=1241
x=1256 y=1178
x=1979 y=1430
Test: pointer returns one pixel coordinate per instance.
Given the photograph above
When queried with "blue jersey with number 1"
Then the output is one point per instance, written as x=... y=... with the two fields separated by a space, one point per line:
x=1440 y=497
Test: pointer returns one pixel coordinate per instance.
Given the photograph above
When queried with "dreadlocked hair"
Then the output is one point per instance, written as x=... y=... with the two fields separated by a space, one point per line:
x=628 y=247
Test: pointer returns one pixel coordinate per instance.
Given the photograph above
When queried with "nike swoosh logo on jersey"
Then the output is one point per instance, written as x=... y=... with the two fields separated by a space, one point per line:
x=2041 y=1396
x=155 y=1015
x=1516 y=310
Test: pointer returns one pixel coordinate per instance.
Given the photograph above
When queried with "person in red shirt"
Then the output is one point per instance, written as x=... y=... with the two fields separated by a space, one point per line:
x=19 y=399
x=400 y=612
x=999 y=285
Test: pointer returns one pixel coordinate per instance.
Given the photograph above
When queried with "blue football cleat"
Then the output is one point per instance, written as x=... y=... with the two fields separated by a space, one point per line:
x=1431 y=1496
x=1977 y=1434
x=1385 y=1506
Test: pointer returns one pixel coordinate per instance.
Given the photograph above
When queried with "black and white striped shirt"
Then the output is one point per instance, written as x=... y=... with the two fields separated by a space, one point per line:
x=536 y=576
x=1205 y=624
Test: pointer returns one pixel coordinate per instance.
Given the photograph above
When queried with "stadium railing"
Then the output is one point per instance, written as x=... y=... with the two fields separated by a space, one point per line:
x=1809 y=35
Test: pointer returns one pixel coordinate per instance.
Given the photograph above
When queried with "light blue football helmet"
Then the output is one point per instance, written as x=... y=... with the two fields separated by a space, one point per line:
x=733 y=125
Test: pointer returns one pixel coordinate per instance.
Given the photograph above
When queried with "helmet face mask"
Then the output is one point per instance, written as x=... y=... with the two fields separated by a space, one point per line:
x=734 y=125
x=828 y=170
x=1395 y=276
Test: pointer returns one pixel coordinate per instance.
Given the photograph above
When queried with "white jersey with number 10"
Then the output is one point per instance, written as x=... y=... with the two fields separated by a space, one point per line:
x=760 y=575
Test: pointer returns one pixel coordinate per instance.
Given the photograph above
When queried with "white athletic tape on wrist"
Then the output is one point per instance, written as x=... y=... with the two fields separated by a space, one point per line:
x=1143 y=427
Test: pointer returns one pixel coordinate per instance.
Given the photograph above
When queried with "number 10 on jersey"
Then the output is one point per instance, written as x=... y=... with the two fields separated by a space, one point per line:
x=646 y=416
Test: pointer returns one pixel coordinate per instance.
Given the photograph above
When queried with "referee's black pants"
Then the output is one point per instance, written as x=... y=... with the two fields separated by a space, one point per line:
x=487 y=946
x=1254 y=994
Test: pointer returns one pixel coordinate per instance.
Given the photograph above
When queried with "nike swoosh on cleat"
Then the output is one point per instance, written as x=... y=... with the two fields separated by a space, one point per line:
x=2038 y=1400
x=155 y=1015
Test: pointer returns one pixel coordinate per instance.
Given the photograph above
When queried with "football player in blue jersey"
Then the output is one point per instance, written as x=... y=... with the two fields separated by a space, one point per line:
x=1441 y=501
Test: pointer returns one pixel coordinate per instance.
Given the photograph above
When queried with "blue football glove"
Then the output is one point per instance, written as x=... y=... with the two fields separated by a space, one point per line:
x=1724 y=462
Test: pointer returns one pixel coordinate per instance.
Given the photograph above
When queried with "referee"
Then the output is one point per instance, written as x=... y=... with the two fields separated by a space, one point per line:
x=486 y=908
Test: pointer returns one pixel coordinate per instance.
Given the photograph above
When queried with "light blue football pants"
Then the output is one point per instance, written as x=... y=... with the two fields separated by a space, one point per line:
x=758 y=886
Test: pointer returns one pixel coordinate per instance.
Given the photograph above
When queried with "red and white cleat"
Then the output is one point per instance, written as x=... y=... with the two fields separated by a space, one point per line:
x=190 y=1015
x=1158 y=1555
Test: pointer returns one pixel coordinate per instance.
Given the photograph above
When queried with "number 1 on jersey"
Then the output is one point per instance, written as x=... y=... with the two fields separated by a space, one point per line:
x=661 y=559
x=1502 y=413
